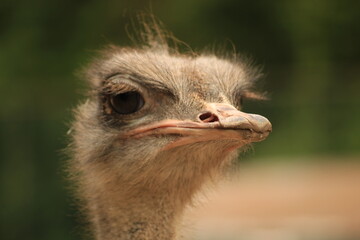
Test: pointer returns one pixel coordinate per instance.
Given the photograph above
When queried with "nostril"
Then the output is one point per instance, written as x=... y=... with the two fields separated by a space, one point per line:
x=208 y=117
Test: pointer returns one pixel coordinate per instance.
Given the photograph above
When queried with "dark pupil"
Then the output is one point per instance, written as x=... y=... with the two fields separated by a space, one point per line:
x=126 y=103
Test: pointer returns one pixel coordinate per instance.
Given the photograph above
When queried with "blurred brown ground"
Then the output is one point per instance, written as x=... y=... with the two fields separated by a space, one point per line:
x=309 y=200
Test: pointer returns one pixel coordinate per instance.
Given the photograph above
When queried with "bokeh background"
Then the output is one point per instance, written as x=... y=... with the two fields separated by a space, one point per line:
x=310 y=51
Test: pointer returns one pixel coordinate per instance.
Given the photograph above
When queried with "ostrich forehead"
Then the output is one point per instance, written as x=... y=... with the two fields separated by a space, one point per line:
x=177 y=72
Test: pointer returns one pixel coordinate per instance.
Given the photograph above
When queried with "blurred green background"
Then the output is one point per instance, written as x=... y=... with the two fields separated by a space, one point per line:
x=310 y=51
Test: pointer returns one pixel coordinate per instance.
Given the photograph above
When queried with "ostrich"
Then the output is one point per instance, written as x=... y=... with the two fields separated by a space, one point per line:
x=157 y=125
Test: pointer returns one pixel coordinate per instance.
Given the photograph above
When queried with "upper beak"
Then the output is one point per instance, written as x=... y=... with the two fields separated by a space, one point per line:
x=219 y=122
x=229 y=117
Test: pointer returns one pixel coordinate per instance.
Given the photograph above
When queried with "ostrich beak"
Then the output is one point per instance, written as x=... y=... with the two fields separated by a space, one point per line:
x=219 y=122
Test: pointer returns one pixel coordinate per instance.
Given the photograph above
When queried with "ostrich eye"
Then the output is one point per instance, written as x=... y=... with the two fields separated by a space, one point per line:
x=127 y=103
x=241 y=101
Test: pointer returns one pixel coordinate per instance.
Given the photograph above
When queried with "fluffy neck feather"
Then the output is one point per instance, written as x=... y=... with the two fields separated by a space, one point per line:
x=145 y=203
x=141 y=217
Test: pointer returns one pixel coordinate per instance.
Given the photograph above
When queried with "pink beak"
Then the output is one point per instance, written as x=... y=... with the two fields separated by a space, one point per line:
x=220 y=122
x=229 y=117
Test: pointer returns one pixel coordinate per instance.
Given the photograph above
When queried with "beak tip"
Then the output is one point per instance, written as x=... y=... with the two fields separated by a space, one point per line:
x=262 y=124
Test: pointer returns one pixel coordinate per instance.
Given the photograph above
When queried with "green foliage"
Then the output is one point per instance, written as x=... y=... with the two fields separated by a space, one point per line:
x=310 y=51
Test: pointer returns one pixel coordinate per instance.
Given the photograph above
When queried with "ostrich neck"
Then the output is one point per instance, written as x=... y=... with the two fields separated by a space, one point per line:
x=144 y=217
x=146 y=203
x=140 y=208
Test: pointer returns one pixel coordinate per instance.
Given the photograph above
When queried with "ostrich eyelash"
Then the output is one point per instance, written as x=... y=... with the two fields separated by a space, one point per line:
x=249 y=95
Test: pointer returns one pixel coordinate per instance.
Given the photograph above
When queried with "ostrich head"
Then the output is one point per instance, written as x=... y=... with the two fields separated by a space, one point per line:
x=156 y=126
